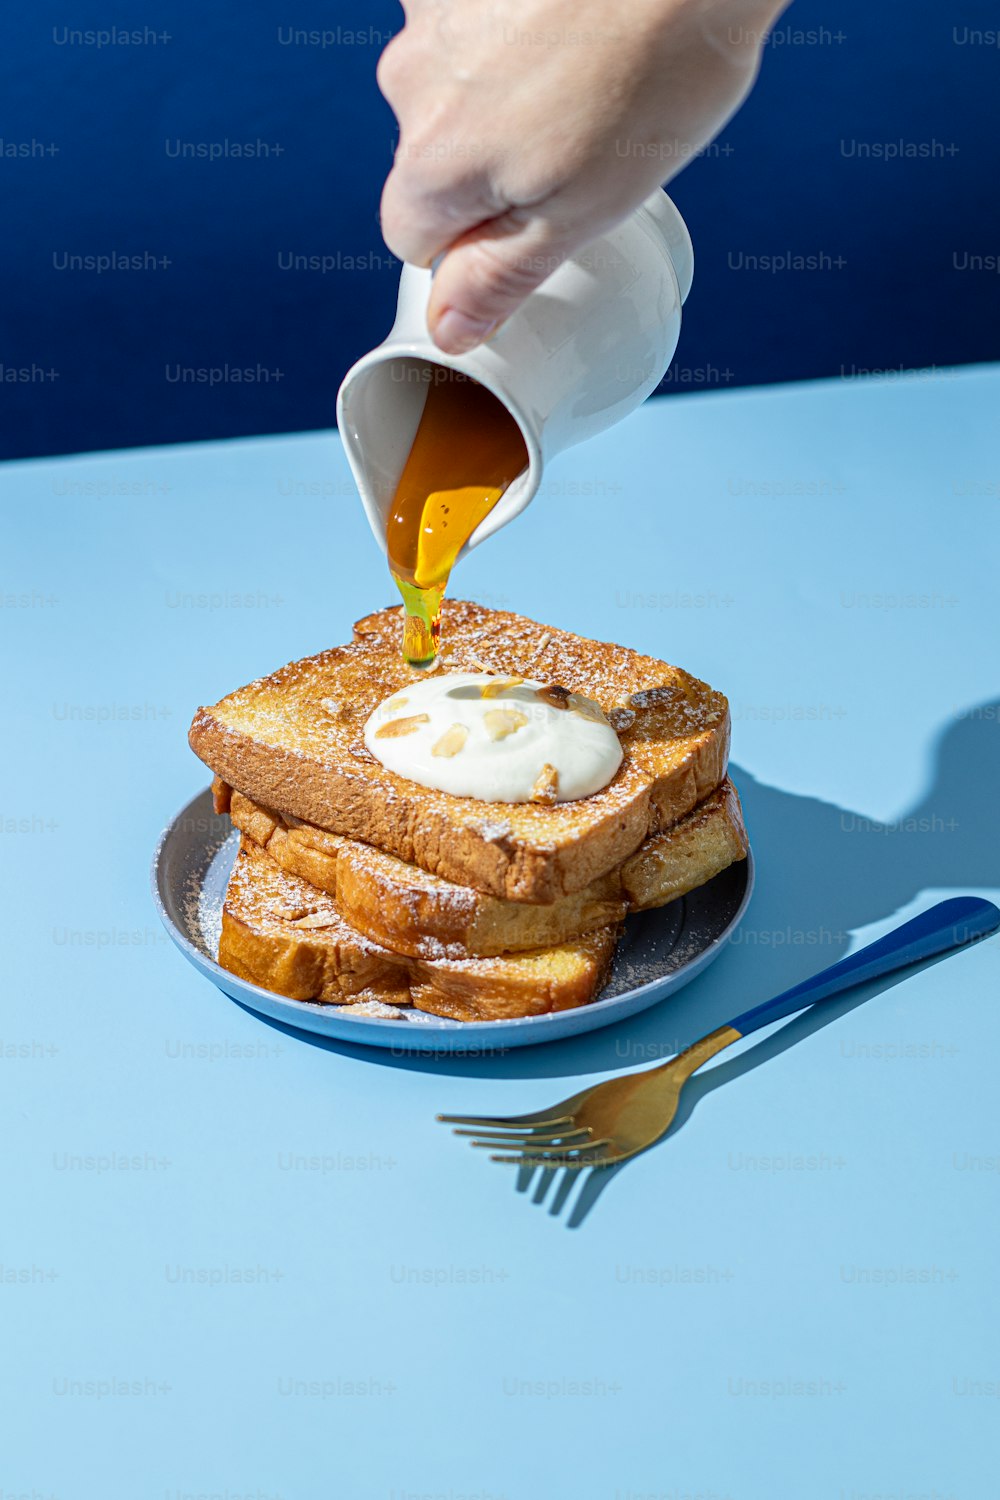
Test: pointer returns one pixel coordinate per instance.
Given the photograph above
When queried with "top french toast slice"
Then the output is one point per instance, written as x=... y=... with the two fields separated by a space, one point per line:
x=294 y=741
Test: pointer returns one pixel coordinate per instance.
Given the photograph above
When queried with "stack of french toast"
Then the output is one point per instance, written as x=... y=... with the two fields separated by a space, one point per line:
x=356 y=886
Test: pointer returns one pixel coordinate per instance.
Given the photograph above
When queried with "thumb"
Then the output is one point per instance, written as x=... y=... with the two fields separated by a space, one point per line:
x=488 y=273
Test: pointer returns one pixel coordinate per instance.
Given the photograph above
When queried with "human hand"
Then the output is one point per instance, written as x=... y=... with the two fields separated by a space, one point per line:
x=528 y=128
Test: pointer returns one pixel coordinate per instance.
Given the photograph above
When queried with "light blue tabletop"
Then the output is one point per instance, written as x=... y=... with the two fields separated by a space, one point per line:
x=238 y=1262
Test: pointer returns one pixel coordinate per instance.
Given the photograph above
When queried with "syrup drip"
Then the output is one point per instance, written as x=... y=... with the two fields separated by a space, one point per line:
x=466 y=452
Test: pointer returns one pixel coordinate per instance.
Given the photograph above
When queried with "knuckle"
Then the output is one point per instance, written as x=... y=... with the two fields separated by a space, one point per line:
x=392 y=221
x=391 y=67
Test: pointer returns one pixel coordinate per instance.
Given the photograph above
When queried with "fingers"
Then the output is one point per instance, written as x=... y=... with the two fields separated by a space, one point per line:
x=439 y=189
x=417 y=224
x=441 y=183
x=488 y=274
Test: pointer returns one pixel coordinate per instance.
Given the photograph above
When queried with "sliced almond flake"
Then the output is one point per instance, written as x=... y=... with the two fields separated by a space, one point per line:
x=500 y=722
x=499 y=685
x=546 y=787
x=554 y=694
x=587 y=708
x=545 y=640
x=315 y=921
x=397 y=727
x=621 y=719
x=452 y=741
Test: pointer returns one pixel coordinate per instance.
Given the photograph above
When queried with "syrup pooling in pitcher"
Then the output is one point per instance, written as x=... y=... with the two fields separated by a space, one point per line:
x=466 y=452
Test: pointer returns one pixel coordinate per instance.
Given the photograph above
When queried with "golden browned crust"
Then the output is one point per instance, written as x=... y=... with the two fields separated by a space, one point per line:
x=293 y=742
x=281 y=933
x=701 y=845
x=412 y=912
x=261 y=941
x=222 y=795
x=523 y=984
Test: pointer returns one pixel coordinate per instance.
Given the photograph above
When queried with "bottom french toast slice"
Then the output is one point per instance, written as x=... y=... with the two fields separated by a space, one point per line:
x=282 y=934
x=287 y=936
x=406 y=909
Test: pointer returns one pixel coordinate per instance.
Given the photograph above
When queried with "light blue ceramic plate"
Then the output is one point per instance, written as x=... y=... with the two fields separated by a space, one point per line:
x=659 y=952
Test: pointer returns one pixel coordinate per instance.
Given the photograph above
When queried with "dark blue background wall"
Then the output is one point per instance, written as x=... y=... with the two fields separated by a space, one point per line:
x=94 y=163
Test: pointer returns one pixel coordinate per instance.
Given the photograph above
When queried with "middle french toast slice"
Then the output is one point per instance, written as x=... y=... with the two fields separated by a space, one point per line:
x=282 y=933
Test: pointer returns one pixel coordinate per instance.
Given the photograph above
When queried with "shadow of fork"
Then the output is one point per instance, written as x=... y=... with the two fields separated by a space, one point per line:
x=793 y=1031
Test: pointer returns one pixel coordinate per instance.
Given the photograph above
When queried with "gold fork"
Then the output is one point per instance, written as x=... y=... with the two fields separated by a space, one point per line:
x=612 y=1121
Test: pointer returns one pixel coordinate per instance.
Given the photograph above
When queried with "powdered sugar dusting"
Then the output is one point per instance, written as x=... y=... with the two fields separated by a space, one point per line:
x=377 y=1008
x=648 y=701
x=665 y=719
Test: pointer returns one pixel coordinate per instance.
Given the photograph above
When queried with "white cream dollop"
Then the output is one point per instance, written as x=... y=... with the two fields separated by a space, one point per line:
x=498 y=739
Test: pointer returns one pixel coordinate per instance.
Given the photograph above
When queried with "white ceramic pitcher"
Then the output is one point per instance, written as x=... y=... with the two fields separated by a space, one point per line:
x=579 y=354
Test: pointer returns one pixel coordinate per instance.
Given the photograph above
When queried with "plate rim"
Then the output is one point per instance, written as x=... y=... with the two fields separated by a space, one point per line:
x=404 y=1034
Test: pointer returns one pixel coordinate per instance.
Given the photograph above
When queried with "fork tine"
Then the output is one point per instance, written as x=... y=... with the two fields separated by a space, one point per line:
x=554 y=1156
x=547 y=1153
x=534 y=1142
x=571 y=1163
x=505 y=1122
x=522 y=1133
x=525 y=1133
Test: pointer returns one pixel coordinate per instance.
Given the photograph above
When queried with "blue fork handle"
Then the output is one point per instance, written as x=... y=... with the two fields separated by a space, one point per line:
x=949 y=924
